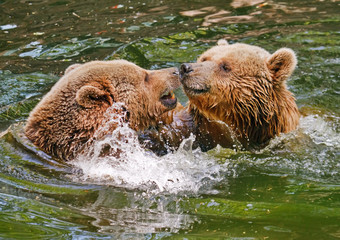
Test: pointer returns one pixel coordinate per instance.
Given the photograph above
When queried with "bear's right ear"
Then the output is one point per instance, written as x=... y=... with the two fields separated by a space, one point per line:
x=90 y=96
x=282 y=64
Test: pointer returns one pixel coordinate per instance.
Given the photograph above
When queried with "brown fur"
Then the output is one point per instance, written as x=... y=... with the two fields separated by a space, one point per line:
x=68 y=116
x=246 y=89
x=237 y=94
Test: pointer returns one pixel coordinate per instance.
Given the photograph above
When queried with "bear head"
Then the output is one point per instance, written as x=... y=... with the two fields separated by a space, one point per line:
x=69 y=115
x=245 y=87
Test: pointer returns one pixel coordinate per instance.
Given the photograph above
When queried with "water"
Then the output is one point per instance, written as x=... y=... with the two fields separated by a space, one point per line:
x=288 y=190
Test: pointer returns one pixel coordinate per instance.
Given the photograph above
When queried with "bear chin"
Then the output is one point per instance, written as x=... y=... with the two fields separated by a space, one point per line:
x=194 y=91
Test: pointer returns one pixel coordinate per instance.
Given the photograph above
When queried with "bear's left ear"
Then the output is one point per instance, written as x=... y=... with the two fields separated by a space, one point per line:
x=222 y=42
x=72 y=67
x=91 y=96
x=282 y=64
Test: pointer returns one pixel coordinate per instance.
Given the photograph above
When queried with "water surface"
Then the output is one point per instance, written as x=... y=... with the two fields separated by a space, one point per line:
x=289 y=190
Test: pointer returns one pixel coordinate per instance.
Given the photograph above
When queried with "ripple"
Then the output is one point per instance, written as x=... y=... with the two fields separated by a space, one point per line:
x=8 y=26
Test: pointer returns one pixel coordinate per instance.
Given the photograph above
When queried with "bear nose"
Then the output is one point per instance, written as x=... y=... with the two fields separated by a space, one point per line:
x=185 y=69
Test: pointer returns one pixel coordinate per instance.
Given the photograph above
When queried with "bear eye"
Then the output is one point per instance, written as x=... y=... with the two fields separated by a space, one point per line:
x=146 y=78
x=204 y=59
x=225 y=67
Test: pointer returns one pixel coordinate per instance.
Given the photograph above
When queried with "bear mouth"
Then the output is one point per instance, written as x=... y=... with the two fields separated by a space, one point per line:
x=168 y=99
x=195 y=91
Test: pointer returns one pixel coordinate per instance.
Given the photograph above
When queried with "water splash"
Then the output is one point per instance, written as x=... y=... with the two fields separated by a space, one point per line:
x=312 y=150
x=320 y=131
x=127 y=164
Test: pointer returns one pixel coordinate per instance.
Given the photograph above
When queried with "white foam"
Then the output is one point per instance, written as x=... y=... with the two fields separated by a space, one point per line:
x=320 y=131
x=186 y=170
x=312 y=150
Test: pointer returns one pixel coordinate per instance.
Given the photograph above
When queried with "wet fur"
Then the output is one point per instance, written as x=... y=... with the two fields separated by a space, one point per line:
x=69 y=115
x=237 y=95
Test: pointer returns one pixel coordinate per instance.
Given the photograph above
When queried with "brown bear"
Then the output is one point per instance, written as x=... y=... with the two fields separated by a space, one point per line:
x=244 y=87
x=68 y=116
x=237 y=97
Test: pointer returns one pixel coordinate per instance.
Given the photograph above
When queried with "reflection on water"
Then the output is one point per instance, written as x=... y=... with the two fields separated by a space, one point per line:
x=135 y=212
x=289 y=190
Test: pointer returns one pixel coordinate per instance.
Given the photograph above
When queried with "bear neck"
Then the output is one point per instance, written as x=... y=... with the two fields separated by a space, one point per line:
x=255 y=123
x=252 y=126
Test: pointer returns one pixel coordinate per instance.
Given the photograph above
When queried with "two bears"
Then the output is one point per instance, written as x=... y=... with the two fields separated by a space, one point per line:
x=237 y=93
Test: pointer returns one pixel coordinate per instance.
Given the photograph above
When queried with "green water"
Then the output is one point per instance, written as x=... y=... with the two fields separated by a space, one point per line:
x=289 y=190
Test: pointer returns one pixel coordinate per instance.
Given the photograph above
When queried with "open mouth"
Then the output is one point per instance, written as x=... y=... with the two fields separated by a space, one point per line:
x=168 y=99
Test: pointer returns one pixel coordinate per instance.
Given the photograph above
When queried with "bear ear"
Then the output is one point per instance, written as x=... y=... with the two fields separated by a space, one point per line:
x=222 y=42
x=282 y=64
x=91 y=96
x=72 y=67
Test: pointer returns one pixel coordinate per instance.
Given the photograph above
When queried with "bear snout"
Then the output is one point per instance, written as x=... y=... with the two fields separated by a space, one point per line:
x=185 y=69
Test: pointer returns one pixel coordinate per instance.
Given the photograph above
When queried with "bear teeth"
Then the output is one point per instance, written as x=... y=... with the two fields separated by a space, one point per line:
x=195 y=91
x=169 y=94
x=169 y=99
